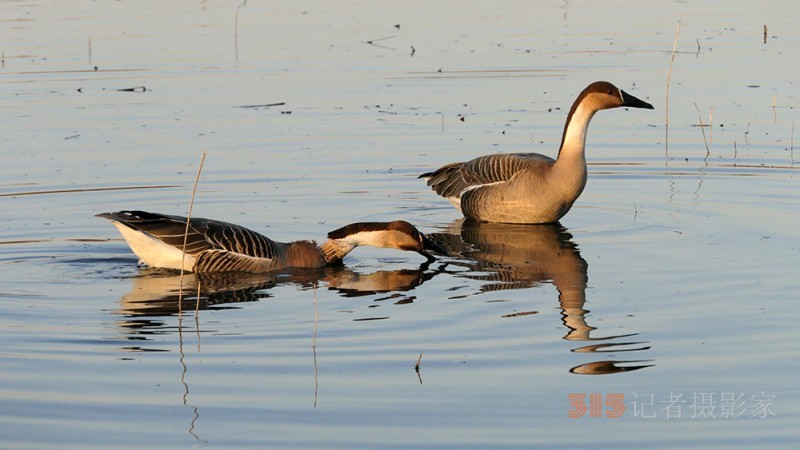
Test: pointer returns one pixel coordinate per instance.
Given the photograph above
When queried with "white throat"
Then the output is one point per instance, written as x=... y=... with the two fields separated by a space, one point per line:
x=575 y=135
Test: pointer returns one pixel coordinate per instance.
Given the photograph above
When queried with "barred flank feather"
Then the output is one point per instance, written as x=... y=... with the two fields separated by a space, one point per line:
x=214 y=246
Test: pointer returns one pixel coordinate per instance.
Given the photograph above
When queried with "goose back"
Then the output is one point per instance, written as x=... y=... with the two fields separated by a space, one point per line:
x=211 y=245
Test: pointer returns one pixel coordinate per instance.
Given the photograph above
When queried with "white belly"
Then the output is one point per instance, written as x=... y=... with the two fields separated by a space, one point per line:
x=153 y=252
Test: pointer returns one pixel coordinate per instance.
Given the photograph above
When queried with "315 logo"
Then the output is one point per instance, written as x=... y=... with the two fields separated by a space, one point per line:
x=614 y=405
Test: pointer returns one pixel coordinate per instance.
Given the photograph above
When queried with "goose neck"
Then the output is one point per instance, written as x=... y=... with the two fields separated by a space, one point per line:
x=573 y=141
x=303 y=254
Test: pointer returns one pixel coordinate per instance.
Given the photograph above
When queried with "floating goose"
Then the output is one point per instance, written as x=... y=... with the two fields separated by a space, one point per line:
x=529 y=187
x=214 y=246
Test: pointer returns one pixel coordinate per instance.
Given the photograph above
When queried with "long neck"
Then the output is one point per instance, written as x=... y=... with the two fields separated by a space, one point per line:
x=303 y=254
x=336 y=249
x=573 y=141
x=569 y=171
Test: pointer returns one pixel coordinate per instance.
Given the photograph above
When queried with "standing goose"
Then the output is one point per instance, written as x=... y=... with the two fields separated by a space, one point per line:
x=529 y=187
x=214 y=246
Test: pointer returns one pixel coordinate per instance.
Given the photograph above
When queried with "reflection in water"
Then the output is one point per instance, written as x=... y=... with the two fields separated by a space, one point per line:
x=184 y=371
x=155 y=293
x=354 y=284
x=158 y=294
x=507 y=256
x=500 y=256
x=607 y=367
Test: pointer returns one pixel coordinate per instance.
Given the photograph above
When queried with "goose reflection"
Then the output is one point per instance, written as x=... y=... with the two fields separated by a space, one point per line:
x=510 y=256
x=156 y=293
x=350 y=283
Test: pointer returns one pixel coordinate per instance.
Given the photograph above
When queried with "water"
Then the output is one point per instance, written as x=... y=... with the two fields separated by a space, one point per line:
x=672 y=281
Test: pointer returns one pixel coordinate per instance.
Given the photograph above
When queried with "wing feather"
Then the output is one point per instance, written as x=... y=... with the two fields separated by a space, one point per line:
x=203 y=235
x=453 y=179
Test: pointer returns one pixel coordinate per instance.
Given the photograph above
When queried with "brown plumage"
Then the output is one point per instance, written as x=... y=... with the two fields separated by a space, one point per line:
x=529 y=187
x=216 y=246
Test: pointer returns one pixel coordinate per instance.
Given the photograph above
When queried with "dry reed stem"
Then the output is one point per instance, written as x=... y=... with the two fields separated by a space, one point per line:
x=314 y=345
x=666 y=103
x=186 y=235
x=197 y=303
x=711 y=125
x=774 y=111
x=746 y=132
x=316 y=316
x=702 y=128
x=236 y=31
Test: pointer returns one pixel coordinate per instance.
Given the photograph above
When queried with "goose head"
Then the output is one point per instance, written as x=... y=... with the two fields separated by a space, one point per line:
x=399 y=235
x=597 y=96
x=604 y=95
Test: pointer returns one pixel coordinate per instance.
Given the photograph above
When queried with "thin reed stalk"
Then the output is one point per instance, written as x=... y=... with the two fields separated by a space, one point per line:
x=702 y=129
x=666 y=103
x=186 y=235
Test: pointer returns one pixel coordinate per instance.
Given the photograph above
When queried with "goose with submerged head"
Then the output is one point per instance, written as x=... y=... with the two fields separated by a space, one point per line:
x=529 y=187
x=215 y=246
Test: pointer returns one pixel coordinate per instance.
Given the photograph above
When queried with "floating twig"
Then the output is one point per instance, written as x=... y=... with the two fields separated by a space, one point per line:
x=416 y=368
x=373 y=42
x=520 y=314
x=133 y=89
x=266 y=105
x=765 y=33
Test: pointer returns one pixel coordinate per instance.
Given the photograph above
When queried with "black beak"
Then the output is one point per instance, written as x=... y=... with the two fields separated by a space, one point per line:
x=633 y=102
x=428 y=244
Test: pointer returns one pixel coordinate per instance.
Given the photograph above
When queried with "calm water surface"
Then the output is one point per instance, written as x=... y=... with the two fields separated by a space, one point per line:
x=669 y=289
